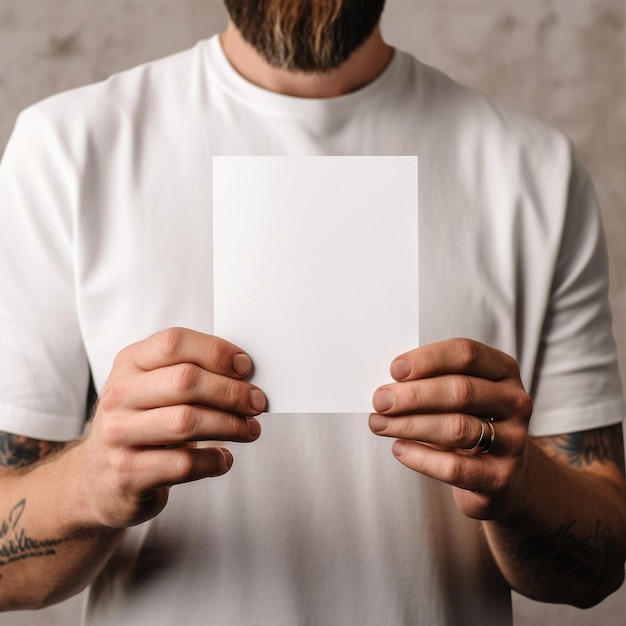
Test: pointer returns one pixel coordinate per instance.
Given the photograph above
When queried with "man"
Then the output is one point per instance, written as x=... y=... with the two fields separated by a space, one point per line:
x=106 y=241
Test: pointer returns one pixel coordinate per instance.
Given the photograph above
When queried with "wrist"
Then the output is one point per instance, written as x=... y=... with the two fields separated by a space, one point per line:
x=69 y=492
x=527 y=494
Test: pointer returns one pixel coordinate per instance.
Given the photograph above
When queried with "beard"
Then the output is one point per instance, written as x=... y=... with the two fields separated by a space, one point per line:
x=311 y=36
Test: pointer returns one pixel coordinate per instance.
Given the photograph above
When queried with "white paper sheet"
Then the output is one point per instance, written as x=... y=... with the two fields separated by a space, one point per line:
x=316 y=273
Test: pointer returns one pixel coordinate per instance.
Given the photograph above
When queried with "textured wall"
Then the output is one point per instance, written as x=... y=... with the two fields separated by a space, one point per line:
x=562 y=60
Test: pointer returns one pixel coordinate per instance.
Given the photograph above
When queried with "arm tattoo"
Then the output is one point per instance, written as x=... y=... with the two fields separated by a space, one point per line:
x=568 y=551
x=15 y=542
x=17 y=452
x=602 y=445
x=577 y=547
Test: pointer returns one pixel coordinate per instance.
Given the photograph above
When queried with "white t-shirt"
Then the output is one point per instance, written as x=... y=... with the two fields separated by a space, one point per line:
x=105 y=238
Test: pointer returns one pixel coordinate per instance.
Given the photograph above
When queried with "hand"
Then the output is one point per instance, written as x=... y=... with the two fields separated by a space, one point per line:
x=164 y=394
x=434 y=409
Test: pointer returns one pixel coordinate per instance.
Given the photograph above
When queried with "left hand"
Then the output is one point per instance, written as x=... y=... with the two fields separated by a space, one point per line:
x=435 y=409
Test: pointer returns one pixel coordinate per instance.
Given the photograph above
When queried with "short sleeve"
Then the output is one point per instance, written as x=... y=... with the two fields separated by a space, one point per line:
x=577 y=384
x=44 y=373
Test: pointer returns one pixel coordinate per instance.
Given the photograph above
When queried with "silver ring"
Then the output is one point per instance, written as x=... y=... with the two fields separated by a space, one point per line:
x=487 y=436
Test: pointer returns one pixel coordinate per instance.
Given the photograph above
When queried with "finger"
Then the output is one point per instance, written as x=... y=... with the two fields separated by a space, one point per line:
x=178 y=425
x=455 y=431
x=454 y=356
x=182 y=345
x=155 y=468
x=475 y=473
x=184 y=383
x=452 y=394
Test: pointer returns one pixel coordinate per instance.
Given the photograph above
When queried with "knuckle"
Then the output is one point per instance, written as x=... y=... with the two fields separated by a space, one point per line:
x=219 y=354
x=451 y=470
x=184 y=465
x=121 y=358
x=402 y=428
x=124 y=358
x=235 y=425
x=182 y=421
x=111 y=430
x=462 y=391
x=461 y=431
x=184 y=377
x=413 y=398
x=510 y=363
x=236 y=396
x=169 y=342
x=112 y=396
x=523 y=405
x=467 y=352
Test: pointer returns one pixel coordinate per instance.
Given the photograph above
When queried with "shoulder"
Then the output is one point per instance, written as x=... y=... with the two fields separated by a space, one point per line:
x=125 y=98
x=127 y=118
x=472 y=120
x=515 y=163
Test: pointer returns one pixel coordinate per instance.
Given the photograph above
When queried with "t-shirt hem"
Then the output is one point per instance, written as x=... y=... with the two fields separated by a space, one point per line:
x=35 y=425
x=563 y=421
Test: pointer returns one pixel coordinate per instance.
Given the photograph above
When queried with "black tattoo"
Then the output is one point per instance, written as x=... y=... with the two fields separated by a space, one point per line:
x=602 y=445
x=18 y=452
x=569 y=552
x=16 y=544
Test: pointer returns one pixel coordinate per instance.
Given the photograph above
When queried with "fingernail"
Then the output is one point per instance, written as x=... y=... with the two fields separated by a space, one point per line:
x=399 y=447
x=257 y=400
x=400 y=369
x=383 y=400
x=254 y=428
x=242 y=364
x=378 y=423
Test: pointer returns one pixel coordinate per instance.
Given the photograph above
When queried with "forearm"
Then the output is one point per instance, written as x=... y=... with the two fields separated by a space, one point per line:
x=48 y=549
x=163 y=394
x=566 y=541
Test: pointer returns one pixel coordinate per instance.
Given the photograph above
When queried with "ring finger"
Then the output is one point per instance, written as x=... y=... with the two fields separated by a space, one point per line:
x=458 y=431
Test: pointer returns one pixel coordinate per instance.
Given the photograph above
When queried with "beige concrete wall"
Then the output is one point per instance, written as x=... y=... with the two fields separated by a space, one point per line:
x=562 y=60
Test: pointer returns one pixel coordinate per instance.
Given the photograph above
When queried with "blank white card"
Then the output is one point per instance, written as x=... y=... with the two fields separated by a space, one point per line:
x=316 y=273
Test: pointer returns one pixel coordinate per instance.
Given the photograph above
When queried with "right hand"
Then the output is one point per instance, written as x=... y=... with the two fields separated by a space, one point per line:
x=164 y=394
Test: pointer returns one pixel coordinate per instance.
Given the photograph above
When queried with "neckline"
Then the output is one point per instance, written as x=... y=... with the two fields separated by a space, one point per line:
x=259 y=98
